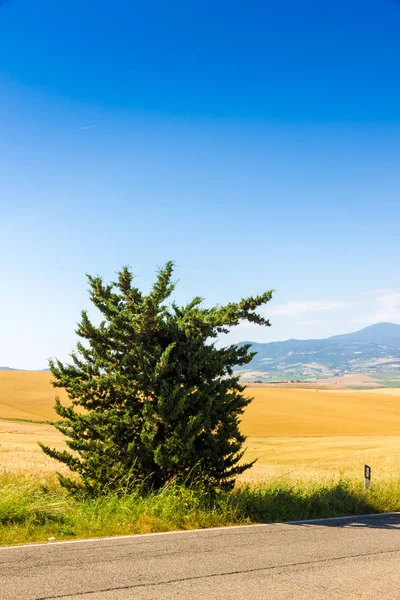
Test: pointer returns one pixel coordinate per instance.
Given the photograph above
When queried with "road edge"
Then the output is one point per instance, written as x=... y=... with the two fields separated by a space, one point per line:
x=187 y=531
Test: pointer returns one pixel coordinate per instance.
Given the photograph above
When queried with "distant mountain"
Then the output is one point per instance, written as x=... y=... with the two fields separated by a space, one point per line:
x=373 y=349
x=380 y=333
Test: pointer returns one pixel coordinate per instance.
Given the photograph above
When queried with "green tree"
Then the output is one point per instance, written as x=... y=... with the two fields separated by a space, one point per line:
x=152 y=398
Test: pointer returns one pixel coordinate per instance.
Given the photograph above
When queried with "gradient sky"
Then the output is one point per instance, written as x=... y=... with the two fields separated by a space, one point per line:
x=257 y=144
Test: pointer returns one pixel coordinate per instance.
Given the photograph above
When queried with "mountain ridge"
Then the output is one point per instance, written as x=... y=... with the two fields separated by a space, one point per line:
x=375 y=348
x=370 y=328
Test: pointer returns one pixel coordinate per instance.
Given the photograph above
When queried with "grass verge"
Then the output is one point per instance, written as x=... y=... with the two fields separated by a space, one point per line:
x=18 y=420
x=34 y=511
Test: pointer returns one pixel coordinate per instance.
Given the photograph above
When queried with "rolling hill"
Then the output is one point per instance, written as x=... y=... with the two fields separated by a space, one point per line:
x=374 y=349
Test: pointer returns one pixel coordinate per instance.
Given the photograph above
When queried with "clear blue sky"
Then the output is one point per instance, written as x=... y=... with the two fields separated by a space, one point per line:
x=255 y=143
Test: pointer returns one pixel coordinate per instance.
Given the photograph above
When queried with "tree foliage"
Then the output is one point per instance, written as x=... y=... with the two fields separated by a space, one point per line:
x=152 y=398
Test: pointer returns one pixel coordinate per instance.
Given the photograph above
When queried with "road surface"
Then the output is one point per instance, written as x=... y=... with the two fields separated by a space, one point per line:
x=349 y=558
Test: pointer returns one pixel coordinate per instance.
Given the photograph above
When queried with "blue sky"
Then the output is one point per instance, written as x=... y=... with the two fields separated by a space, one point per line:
x=257 y=144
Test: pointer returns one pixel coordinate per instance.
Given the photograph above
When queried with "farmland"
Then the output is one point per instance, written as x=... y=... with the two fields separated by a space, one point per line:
x=27 y=395
x=301 y=432
x=310 y=448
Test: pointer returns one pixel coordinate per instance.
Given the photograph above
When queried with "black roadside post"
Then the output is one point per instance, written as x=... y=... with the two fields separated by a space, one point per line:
x=367 y=477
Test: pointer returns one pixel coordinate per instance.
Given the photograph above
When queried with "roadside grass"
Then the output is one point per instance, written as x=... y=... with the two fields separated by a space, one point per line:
x=34 y=509
x=310 y=467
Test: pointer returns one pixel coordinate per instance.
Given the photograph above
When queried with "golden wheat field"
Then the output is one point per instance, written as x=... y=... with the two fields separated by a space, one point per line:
x=290 y=431
x=27 y=395
x=291 y=412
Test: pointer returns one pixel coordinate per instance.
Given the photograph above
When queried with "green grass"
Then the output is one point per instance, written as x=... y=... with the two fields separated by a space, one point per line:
x=18 y=420
x=388 y=379
x=391 y=384
x=34 y=511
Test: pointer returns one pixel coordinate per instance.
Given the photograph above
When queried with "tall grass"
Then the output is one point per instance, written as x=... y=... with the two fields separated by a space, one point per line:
x=34 y=511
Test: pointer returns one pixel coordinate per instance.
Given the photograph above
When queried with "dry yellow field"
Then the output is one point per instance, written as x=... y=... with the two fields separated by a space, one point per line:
x=302 y=433
x=19 y=450
x=291 y=412
x=27 y=395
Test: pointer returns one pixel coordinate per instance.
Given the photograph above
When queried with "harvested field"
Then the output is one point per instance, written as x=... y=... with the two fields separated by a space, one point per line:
x=19 y=450
x=296 y=433
x=27 y=395
x=352 y=381
x=274 y=411
x=293 y=457
x=290 y=412
x=318 y=458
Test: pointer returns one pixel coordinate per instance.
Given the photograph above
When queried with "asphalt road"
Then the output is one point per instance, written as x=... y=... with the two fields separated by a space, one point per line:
x=349 y=558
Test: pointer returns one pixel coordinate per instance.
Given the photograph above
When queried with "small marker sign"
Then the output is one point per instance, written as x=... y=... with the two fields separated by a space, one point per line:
x=367 y=477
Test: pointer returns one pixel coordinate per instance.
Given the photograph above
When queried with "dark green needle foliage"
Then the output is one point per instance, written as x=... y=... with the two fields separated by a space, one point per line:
x=153 y=400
